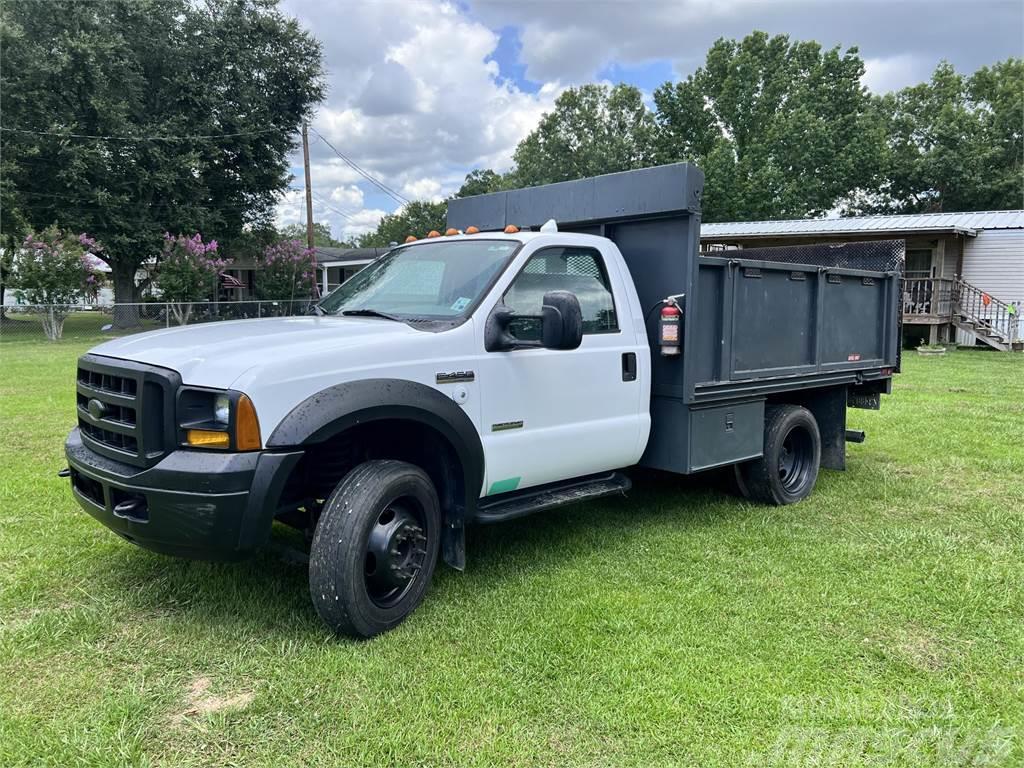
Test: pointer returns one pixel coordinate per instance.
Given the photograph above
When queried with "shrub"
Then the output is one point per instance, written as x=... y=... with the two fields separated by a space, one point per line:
x=55 y=269
x=287 y=271
x=188 y=271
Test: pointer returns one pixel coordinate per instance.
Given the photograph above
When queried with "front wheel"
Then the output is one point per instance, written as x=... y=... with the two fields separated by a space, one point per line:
x=788 y=468
x=375 y=548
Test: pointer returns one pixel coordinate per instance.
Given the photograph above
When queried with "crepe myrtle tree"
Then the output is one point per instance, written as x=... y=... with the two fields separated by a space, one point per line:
x=187 y=271
x=286 y=272
x=54 y=270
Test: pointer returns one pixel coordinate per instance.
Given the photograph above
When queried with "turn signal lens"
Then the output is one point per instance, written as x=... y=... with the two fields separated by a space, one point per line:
x=411 y=239
x=247 y=426
x=511 y=229
x=433 y=233
x=207 y=438
x=472 y=231
x=451 y=231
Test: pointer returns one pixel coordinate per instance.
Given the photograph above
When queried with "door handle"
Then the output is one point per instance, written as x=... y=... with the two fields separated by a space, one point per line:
x=629 y=366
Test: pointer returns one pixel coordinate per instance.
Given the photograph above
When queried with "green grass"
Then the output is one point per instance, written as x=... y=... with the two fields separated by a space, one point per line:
x=881 y=622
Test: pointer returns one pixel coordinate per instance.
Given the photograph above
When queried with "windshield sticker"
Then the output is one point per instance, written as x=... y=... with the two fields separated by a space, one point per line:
x=499 y=248
x=460 y=304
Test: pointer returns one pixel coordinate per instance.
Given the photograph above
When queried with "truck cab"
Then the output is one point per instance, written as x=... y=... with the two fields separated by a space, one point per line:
x=473 y=377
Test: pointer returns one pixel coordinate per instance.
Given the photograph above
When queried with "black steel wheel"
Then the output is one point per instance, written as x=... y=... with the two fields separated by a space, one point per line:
x=788 y=468
x=375 y=548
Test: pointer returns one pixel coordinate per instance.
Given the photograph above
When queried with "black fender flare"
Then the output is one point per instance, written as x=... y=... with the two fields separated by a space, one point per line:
x=335 y=409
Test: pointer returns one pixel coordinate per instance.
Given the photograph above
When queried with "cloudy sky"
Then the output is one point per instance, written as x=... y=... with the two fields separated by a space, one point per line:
x=423 y=91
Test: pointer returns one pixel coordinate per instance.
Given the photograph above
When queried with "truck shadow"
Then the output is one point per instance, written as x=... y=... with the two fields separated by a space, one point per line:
x=268 y=594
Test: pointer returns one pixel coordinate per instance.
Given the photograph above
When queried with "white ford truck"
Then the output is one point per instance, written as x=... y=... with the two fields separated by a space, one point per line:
x=483 y=375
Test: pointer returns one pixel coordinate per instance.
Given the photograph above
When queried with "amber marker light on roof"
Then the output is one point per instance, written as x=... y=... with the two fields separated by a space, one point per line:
x=451 y=231
x=411 y=239
x=472 y=231
x=433 y=233
x=511 y=229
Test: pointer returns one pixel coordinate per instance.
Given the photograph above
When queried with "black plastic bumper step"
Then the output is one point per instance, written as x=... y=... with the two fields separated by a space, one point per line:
x=522 y=503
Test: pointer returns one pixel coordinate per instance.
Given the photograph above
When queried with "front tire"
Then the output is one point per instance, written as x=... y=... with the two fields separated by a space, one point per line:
x=375 y=548
x=788 y=468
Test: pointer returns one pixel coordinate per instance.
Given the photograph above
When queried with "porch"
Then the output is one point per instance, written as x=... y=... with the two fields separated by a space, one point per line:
x=945 y=303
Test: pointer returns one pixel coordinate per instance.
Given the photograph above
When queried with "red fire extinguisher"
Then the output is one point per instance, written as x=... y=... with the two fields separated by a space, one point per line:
x=669 y=333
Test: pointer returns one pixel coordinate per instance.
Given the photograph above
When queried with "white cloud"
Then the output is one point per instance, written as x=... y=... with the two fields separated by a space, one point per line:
x=891 y=73
x=347 y=197
x=361 y=222
x=573 y=41
x=413 y=100
x=422 y=189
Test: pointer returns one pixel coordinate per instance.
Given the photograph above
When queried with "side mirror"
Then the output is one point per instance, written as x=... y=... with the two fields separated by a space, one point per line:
x=561 y=325
x=561 y=321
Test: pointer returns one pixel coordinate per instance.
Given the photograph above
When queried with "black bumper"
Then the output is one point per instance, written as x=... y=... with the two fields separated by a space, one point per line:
x=197 y=504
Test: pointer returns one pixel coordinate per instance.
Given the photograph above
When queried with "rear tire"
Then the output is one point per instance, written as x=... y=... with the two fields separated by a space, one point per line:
x=375 y=548
x=788 y=468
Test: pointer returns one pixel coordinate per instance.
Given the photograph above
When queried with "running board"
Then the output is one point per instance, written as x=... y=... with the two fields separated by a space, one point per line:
x=522 y=503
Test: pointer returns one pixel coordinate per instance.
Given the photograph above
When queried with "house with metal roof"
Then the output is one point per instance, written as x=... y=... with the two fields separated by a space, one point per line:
x=964 y=272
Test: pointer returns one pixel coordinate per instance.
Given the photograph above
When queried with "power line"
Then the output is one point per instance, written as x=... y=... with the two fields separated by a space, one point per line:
x=365 y=174
x=194 y=137
x=328 y=206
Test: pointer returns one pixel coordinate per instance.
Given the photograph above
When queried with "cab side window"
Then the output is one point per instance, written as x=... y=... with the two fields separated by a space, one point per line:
x=577 y=270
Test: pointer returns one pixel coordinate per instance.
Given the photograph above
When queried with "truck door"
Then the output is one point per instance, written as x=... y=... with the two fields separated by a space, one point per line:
x=550 y=415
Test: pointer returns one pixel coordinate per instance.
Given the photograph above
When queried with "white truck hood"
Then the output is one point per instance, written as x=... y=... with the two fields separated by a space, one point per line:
x=217 y=354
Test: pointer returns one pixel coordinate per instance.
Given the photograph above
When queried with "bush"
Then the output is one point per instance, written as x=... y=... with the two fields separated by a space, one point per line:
x=287 y=271
x=188 y=271
x=56 y=269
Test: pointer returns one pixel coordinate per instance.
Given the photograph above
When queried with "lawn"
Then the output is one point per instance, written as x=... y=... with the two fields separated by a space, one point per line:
x=881 y=622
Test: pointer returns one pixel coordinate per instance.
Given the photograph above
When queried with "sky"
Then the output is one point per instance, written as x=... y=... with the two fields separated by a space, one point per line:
x=420 y=92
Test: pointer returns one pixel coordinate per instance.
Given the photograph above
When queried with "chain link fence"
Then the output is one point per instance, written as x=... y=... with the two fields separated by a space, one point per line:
x=51 y=322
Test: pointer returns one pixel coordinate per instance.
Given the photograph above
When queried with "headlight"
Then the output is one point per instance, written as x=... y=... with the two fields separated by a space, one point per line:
x=212 y=419
x=222 y=410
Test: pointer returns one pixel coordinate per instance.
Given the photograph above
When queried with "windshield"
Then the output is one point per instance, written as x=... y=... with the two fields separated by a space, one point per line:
x=443 y=279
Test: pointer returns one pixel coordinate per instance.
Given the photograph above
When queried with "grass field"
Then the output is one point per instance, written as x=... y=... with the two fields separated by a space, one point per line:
x=879 y=623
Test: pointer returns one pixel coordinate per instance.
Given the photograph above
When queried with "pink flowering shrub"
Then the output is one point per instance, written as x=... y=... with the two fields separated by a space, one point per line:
x=55 y=269
x=287 y=270
x=188 y=270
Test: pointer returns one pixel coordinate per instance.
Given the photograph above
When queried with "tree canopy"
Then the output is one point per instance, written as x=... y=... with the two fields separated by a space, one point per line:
x=593 y=129
x=416 y=218
x=131 y=118
x=786 y=129
x=955 y=143
x=322 y=236
x=781 y=129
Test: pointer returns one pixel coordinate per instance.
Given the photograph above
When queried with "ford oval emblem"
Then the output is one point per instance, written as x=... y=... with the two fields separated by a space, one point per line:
x=97 y=409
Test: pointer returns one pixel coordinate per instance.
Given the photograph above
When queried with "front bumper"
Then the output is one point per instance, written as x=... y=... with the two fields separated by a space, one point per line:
x=197 y=504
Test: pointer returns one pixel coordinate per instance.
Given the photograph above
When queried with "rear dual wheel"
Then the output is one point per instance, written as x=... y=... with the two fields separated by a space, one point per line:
x=788 y=467
x=375 y=548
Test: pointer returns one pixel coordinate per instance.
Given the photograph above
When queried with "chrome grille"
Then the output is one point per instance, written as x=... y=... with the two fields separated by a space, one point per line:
x=125 y=409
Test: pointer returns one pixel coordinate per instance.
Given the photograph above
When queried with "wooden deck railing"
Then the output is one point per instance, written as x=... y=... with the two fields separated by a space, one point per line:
x=985 y=312
x=927 y=297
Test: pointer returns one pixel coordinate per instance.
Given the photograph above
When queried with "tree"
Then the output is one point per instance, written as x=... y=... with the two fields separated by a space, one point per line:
x=188 y=271
x=955 y=143
x=481 y=181
x=129 y=118
x=321 y=235
x=416 y=218
x=593 y=129
x=53 y=270
x=286 y=271
x=780 y=128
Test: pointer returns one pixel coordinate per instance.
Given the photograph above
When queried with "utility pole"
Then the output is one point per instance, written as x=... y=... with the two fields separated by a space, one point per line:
x=309 y=187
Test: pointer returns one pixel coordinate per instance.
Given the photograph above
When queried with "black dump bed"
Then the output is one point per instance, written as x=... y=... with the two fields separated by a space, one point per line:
x=757 y=323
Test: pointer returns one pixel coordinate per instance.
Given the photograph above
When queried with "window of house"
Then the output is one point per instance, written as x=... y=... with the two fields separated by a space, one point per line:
x=577 y=270
x=919 y=262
